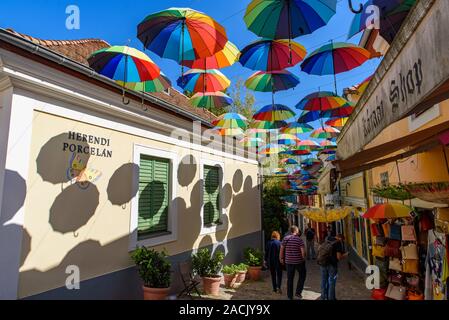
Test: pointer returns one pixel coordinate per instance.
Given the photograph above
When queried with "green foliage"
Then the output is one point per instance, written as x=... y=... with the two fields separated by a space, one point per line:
x=206 y=265
x=242 y=267
x=231 y=269
x=153 y=266
x=274 y=208
x=253 y=257
x=395 y=192
x=244 y=100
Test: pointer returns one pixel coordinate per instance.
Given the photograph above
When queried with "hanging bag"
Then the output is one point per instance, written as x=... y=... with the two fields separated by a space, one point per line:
x=395 y=232
x=410 y=252
x=386 y=227
x=408 y=233
x=395 y=264
x=392 y=249
x=378 y=251
x=410 y=266
x=380 y=241
x=396 y=292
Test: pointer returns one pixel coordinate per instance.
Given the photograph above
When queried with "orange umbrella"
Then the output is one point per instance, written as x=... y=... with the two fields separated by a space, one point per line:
x=388 y=211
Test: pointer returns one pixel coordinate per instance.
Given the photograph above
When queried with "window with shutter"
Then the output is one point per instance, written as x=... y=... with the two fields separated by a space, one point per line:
x=211 y=196
x=154 y=195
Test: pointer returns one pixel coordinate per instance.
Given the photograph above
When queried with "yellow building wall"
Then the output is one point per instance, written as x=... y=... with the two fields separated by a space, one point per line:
x=65 y=225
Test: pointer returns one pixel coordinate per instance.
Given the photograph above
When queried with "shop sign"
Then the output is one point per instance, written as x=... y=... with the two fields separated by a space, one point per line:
x=414 y=67
x=80 y=143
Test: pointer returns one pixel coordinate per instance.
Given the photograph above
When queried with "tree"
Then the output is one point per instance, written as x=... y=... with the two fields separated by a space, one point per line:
x=274 y=208
x=243 y=100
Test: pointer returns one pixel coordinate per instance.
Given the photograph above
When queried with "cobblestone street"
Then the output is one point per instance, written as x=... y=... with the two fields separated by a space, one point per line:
x=350 y=286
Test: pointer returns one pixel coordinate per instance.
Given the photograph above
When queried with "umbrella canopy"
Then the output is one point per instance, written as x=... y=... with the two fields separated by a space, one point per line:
x=331 y=158
x=251 y=142
x=326 y=144
x=289 y=161
x=272 y=81
x=309 y=116
x=312 y=145
x=224 y=58
x=326 y=216
x=182 y=34
x=297 y=128
x=196 y=80
x=268 y=125
x=342 y=112
x=210 y=100
x=125 y=64
x=388 y=211
x=337 y=123
x=272 y=55
x=335 y=58
x=160 y=84
x=276 y=112
x=279 y=19
x=280 y=171
x=311 y=162
x=328 y=151
x=321 y=101
x=295 y=151
x=325 y=133
x=362 y=86
x=233 y=132
x=288 y=139
x=270 y=149
x=230 y=121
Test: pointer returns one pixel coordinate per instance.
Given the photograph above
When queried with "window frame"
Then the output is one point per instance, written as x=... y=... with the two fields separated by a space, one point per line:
x=222 y=211
x=172 y=221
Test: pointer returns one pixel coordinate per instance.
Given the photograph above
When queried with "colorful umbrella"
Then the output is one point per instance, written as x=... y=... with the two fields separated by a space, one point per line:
x=342 y=112
x=309 y=116
x=296 y=151
x=331 y=158
x=211 y=100
x=272 y=55
x=271 y=149
x=326 y=144
x=273 y=113
x=325 y=133
x=272 y=81
x=196 y=80
x=280 y=171
x=225 y=58
x=311 y=162
x=328 y=151
x=337 y=123
x=160 y=84
x=362 y=86
x=297 y=128
x=182 y=34
x=234 y=132
x=256 y=133
x=251 y=142
x=312 y=145
x=288 y=139
x=280 y=19
x=231 y=121
x=321 y=101
x=388 y=211
x=289 y=161
x=268 y=125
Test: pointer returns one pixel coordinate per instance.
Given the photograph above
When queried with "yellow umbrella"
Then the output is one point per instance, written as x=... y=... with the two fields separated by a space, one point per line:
x=326 y=216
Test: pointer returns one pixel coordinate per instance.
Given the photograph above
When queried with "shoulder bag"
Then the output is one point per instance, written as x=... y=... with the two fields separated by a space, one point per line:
x=410 y=252
x=396 y=292
x=392 y=249
x=395 y=264
x=408 y=233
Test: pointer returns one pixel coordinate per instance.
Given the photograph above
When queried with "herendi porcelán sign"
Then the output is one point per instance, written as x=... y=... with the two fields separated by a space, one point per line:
x=87 y=144
x=420 y=68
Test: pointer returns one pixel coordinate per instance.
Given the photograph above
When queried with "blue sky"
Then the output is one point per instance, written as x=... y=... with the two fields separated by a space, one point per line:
x=116 y=22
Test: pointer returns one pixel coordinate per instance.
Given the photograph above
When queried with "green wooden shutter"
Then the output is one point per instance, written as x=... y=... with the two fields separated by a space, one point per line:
x=154 y=189
x=211 y=195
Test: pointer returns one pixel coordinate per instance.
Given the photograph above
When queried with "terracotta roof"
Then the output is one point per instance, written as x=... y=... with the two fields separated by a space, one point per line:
x=80 y=50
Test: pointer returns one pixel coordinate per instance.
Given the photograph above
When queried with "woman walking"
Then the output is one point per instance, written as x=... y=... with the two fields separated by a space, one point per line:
x=273 y=263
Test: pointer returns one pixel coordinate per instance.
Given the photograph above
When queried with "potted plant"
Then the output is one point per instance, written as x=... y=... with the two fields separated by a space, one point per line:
x=230 y=276
x=155 y=271
x=254 y=259
x=241 y=269
x=208 y=267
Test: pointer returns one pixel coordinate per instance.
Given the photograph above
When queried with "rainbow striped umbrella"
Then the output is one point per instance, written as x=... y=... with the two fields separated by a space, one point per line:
x=289 y=161
x=362 y=86
x=273 y=113
x=196 y=80
x=309 y=144
x=288 y=139
x=250 y=142
x=328 y=151
x=160 y=84
x=234 y=132
x=342 y=112
x=337 y=123
x=280 y=171
x=272 y=55
x=279 y=19
x=210 y=100
x=297 y=128
x=325 y=133
x=388 y=211
x=224 y=58
x=268 y=125
x=271 y=149
x=331 y=158
x=326 y=144
x=125 y=64
x=231 y=121
x=272 y=81
x=309 y=116
x=311 y=162
x=321 y=101
x=182 y=34
x=298 y=151
x=256 y=133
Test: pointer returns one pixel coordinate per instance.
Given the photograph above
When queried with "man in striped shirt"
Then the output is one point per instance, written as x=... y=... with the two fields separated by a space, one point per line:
x=293 y=255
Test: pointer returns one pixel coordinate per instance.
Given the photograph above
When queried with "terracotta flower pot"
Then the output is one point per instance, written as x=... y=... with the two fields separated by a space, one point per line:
x=241 y=277
x=155 y=293
x=254 y=273
x=230 y=280
x=211 y=286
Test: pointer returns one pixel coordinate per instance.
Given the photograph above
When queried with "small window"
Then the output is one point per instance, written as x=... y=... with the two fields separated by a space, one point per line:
x=384 y=181
x=154 y=189
x=211 y=196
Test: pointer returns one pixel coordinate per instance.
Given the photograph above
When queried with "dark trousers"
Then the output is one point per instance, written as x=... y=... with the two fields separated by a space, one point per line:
x=291 y=271
x=276 y=277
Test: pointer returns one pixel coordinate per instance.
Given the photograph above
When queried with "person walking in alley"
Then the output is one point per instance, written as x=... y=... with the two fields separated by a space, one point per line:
x=310 y=242
x=273 y=262
x=293 y=254
x=329 y=254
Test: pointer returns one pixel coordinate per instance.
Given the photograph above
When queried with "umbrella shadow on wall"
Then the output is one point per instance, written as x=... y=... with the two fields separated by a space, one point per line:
x=187 y=170
x=122 y=187
x=13 y=200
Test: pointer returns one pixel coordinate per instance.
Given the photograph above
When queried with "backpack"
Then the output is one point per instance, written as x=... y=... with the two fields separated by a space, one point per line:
x=325 y=253
x=310 y=234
